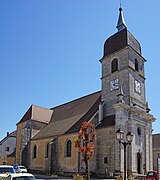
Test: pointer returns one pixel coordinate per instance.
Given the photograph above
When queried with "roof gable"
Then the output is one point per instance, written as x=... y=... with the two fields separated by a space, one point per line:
x=37 y=113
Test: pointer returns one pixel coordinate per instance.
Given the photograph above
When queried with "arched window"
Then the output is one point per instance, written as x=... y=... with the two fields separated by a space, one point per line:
x=114 y=65
x=68 y=148
x=34 y=151
x=136 y=65
x=47 y=150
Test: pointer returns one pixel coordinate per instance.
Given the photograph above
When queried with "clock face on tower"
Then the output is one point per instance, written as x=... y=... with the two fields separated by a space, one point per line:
x=114 y=84
x=137 y=85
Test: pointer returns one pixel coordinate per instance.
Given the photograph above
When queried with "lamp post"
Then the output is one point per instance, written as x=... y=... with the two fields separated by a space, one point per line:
x=129 y=137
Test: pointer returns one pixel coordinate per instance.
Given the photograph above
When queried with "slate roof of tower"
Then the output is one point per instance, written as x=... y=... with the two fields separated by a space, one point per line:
x=119 y=40
x=66 y=118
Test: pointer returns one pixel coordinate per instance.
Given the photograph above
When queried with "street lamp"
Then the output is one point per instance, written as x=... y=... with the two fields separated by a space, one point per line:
x=129 y=137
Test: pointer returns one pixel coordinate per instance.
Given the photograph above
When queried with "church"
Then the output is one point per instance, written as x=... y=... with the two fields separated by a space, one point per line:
x=46 y=136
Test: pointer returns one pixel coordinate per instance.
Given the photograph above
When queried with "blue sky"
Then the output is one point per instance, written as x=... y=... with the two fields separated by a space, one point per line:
x=50 y=51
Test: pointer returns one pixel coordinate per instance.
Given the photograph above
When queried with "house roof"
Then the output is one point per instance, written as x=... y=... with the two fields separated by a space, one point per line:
x=37 y=113
x=87 y=116
x=12 y=134
x=66 y=118
x=156 y=140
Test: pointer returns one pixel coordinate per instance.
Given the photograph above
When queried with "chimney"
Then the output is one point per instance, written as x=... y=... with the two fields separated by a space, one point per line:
x=7 y=133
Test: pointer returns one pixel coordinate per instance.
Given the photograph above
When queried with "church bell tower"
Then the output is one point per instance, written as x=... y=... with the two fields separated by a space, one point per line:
x=123 y=94
x=123 y=69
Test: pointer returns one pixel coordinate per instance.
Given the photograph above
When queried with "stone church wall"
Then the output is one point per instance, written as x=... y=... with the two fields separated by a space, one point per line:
x=105 y=151
x=41 y=162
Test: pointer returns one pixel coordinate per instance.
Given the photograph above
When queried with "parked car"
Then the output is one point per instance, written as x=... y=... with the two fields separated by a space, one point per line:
x=21 y=176
x=152 y=175
x=22 y=169
x=5 y=170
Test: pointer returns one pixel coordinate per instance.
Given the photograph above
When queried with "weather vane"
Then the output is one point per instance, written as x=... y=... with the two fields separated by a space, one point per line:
x=120 y=3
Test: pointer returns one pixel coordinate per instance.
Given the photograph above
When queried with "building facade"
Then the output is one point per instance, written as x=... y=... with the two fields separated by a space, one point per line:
x=121 y=103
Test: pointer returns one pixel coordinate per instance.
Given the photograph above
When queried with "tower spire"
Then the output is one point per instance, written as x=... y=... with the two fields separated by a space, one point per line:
x=121 y=23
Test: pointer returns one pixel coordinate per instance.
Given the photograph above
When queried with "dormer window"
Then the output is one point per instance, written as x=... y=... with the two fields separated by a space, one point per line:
x=136 y=65
x=114 y=65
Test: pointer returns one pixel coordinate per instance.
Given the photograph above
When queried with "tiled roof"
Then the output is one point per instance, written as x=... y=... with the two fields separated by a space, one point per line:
x=67 y=115
x=73 y=108
x=86 y=117
x=37 y=113
x=12 y=134
x=156 y=140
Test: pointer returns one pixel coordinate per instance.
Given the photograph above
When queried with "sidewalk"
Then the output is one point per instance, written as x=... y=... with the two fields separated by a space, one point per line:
x=40 y=176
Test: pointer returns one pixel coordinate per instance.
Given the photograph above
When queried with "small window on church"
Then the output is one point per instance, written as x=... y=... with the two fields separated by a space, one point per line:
x=34 y=155
x=114 y=65
x=105 y=160
x=68 y=148
x=47 y=150
x=136 y=65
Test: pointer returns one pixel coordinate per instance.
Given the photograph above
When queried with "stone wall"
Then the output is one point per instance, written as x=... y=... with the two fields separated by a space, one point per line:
x=105 y=151
x=41 y=162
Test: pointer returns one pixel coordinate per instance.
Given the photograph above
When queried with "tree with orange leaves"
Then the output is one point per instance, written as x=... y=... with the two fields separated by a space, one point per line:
x=84 y=144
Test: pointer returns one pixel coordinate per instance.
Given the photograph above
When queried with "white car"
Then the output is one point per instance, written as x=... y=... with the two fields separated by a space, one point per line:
x=5 y=170
x=21 y=176
x=22 y=169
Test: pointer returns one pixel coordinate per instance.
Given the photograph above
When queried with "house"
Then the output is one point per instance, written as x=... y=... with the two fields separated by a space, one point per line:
x=120 y=104
x=7 y=146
